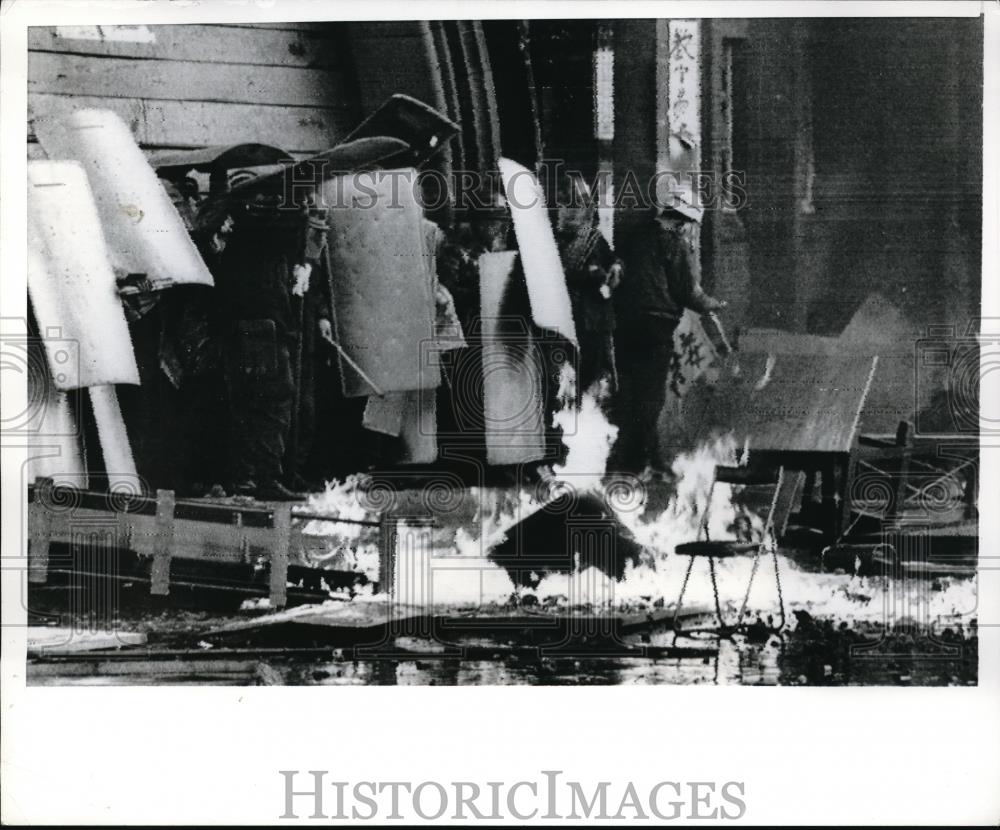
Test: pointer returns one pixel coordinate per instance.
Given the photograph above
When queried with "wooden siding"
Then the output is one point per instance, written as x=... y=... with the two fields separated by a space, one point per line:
x=281 y=84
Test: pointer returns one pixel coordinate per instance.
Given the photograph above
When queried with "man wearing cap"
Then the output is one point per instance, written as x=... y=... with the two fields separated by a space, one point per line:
x=664 y=278
x=257 y=274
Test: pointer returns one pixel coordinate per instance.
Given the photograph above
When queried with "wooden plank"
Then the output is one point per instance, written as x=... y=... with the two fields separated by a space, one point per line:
x=113 y=437
x=184 y=80
x=155 y=670
x=787 y=497
x=46 y=640
x=211 y=44
x=378 y=29
x=40 y=532
x=388 y=541
x=159 y=581
x=380 y=71
x=543 y=270
x=356 y=616
x=279 y=556
x=211 y=541
x=287 y=25
x=201 y=124
x=216 y=542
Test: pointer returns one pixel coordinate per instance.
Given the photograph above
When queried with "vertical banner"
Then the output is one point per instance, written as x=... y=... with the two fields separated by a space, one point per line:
x=604 y=128
x=684 y=112
x=604 y=94
x=678 y=106
x=678 y=159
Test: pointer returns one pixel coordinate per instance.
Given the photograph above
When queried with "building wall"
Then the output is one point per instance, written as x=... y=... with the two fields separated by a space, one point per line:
x=635 y=114
x=298 y=86
x=445 y=64
x=861 y=145
x=178 y=86
x=863 y=157
x=725 y=252
x=897 y=128
x=864 y=170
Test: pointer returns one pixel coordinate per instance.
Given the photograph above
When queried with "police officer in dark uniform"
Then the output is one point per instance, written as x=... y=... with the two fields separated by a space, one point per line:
x=313 y=303
x=663 y=278
x=261 y=266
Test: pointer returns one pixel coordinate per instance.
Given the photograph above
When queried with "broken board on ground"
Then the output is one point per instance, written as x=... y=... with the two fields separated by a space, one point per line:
x=389 y=628
x=333 y=622
x=43 y=639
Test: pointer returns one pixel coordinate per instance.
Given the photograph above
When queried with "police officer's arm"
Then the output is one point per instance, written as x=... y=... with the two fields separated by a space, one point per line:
x=319 y=285
x=324 y=302
x=321 y=294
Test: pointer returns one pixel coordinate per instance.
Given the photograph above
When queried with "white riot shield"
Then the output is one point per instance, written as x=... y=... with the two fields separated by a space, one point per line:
x=543 y=271
x=145 y=233
x=71 y=283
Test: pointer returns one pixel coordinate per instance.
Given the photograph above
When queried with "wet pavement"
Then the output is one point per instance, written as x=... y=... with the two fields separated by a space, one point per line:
x=182 y=649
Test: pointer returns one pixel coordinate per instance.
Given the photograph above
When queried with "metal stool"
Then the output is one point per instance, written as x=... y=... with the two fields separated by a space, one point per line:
x=787 y=488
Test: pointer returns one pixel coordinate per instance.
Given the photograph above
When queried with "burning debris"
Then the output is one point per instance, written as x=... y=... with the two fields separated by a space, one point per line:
x=576 y=521
x=535 y=545
x=572 y=532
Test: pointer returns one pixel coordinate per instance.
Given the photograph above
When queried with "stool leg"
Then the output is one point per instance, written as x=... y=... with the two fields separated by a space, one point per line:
x=680 y=598
x=715 y=594
x=777 y=582
x=753 y=573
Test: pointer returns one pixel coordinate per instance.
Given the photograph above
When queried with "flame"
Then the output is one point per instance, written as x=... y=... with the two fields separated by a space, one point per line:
x=449 y=567
x=340 y=546
x=588 y=437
